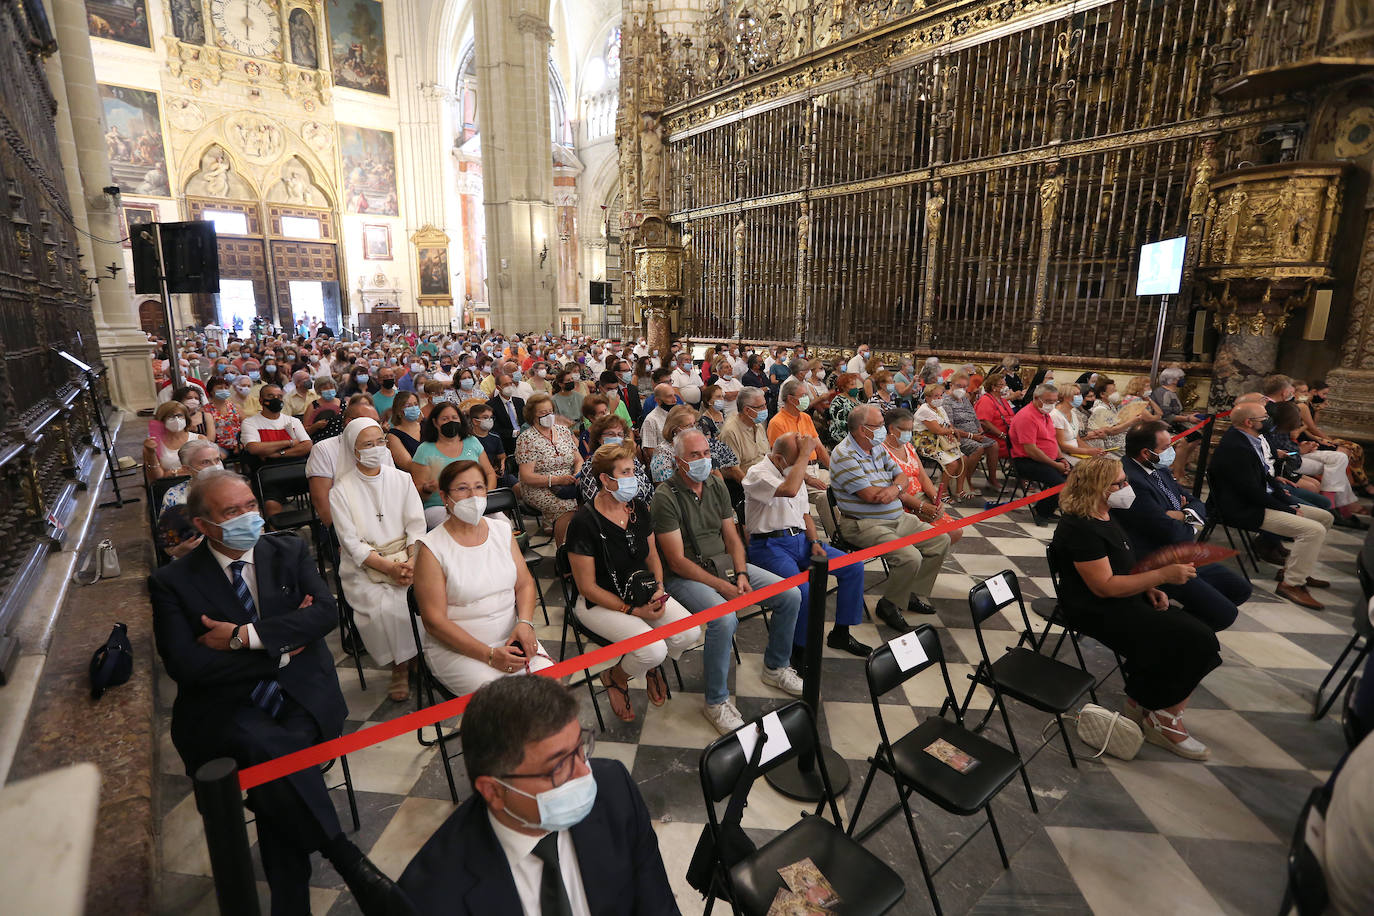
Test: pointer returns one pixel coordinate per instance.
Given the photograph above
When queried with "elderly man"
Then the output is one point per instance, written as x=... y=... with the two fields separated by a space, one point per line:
x=744 y=432
x=383 y=399
x=299 y=393
x=783 y=538
x=509 y=850
x=793 y=402
x=651 y=432
x=858 y=361
x=273 y=434
x=694 y=525
x=1035 y=447
x=868 y=487
x=1247 y=495
x=240 y=625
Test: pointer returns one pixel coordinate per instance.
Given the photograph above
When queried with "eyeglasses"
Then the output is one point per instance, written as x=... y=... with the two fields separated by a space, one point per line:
x=1117 y=485
x=564 y=767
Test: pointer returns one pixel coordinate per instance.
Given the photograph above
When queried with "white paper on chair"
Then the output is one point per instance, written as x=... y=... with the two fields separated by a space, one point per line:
x=907 y=651
x=999 y=589
x=775 y=735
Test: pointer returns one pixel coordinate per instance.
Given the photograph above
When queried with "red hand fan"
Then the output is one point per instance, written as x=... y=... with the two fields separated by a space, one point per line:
x=1187 y=552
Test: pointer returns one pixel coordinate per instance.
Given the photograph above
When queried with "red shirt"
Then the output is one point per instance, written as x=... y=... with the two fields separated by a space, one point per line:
x=1032 y=426
x=995 y=410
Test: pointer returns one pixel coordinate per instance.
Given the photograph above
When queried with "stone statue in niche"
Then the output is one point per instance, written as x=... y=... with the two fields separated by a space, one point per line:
x=304 y=44
x=650 y=157
x=187 y=21
x=214 y=174
x=295 y=182
x=259 y=138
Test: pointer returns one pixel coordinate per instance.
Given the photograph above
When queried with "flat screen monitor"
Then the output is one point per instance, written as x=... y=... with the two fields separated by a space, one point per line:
x=1161 y=267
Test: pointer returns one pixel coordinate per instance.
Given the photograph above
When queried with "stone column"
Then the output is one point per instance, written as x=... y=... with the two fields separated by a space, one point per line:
x=1242 y=359
x=517 y=164
x=66 y=149
x=1349 y=410
x=123 y=345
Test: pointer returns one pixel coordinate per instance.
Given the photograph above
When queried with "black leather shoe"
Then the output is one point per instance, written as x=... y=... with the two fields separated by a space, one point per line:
x=376 y=894
x=887 y=612
x=917 y=606
x=844 y=642
x=1270 y=555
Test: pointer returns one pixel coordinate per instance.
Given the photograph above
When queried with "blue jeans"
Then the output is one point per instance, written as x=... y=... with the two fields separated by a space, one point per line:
x=698 y=596
x=790 y=555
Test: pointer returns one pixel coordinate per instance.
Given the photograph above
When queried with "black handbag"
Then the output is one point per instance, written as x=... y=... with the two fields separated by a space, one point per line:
x=113 y=663
x=720 y=565
x=640 y=585
x=730 y=845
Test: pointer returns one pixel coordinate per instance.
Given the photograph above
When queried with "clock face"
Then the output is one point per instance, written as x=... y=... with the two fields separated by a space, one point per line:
x=248 y=26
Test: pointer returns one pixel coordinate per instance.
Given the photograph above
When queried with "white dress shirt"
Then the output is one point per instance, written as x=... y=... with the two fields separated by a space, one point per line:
x=528 y=869
x=250 y=578
x=764 y=510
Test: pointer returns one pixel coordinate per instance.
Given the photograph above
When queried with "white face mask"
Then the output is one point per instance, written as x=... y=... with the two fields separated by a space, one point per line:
x=175 y=424
x=371 y=456
x=469 y=510
x=243 y=392
x=217 y=466
x=1114 y=397
x=959 y=393
x=486 y=424
x=1121 y=499
x=192 y=405
x=546 y=421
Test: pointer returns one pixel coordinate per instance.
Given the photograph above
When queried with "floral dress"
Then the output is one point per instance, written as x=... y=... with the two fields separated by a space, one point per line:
x=547 y=458
x=228 y=423
x=837 y=425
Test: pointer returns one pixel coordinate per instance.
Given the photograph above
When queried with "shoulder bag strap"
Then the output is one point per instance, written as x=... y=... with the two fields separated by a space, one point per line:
x=684 y=526
x=734 y=811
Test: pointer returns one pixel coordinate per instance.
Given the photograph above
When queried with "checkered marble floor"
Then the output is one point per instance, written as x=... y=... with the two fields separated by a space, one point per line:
x=1153 y=834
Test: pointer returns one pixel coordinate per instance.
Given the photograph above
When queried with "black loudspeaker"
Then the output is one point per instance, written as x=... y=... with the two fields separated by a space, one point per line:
x=600 y=292
x=190 y=253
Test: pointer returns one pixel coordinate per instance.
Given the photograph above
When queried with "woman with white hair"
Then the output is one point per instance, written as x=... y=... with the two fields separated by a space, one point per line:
x=1165 y=397
x=378 y=518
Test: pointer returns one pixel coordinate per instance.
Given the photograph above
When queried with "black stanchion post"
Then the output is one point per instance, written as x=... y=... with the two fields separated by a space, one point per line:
x=221 y=810
x=799 y=778
x=1203 y=452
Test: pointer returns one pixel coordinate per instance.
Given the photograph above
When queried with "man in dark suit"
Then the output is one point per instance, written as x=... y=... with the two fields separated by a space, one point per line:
x=507 y=411
x=1246 y=494
x=1156 y=512
x=240 y=625
x=626 y=389
x=547 y=830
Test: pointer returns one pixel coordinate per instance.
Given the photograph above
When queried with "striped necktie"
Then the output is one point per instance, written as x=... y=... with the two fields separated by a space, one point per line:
x=267 y=695
x=1169 y=495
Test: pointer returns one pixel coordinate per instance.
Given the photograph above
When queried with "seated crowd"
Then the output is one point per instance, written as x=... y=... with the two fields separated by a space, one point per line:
x=668 y=484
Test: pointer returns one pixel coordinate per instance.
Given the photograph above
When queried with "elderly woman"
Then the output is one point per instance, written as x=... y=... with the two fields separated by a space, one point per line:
x=1168 y=651
x=1165 y=397
x=611 y=539
x=610 y=430
x=324 y=417
x=475 y=594
x=922 y=497
x=882 y=390
x=964 y=415
x=244 y=396
x=664 y=461
x=444 y=439
x=907 y=381
x=568 y=396
x=166 y=434
x=1066 y=430
x=547 y=456
x=1138 y=390
x=994 y=411
x=816 y=388
x=1105 y=423
x=173 y=531
x=377 y=518
x=938 y=439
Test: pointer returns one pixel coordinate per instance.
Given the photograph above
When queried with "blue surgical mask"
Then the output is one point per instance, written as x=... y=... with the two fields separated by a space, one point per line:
x=242 y=531
x=1166 y=457
x=560 y=808
x=363 y=377
x=626 y=488
x=904 y=436
x=879 y=437
x=254 y=374
x=465 y=384
x=761 y=417
x=699 y=469
x=517 y=375
x=626 y=377
x=412 y=412
x=328 y=393
x=1078 y=400
x=612 y=440
x=891 y=386
x=221 y=394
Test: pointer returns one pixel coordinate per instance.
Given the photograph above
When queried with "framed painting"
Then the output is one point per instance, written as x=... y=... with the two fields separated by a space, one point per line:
x=133 y=140
x=376 y=242
x=369 y=170
x=357 y=45
x=119 y=20
x=132 y=215
x=433 y=270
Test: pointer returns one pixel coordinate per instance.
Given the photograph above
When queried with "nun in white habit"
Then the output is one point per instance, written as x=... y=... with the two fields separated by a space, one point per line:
x=378 y=517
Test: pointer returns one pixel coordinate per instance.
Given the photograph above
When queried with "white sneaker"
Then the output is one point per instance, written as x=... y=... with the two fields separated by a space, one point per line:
x=785 y=679
x=724 y=716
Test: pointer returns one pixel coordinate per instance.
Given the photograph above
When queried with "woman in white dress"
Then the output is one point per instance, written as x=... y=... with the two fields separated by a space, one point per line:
x=378 y=518
x=475 y=594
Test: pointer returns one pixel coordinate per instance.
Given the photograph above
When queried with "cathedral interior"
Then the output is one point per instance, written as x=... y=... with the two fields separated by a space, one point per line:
x=969 y=180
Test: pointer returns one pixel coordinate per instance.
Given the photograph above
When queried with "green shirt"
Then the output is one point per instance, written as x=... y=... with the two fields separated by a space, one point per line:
x=704 y=515
x=429 y=455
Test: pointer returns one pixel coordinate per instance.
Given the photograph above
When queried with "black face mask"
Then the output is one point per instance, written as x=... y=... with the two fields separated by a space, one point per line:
x=1318 y=399
x=451 y=429
x=569 y=386
x=388 y=383
x=1267 y=426
x=272 y=404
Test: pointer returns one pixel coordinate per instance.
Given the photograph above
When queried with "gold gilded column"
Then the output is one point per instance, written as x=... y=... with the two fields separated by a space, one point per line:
x=1051 y=193
x=935 y=217
x=737 y=331
x=803 y=304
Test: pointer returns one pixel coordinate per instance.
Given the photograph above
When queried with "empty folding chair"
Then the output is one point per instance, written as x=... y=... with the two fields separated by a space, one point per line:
x=864 y=883
x=909 y=760
x=1021 y=673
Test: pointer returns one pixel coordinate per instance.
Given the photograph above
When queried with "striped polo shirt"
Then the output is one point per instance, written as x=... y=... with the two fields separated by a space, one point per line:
x=852 y=469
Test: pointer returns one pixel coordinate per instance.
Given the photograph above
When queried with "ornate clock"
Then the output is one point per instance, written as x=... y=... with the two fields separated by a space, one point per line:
x=250 y=27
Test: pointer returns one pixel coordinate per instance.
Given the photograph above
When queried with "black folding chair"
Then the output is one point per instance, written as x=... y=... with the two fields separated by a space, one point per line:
x=350 y=640
x=346 y=784
x=563 y=569
x=837 y=540
x=1306 y=889
x=863 y=882
x=284 y=481
x=1040 y=682
x=1360 y=643
x=1216 y=519
x=428 y=692
x=1051 y=610
x=1012 y=481
x=502 y=500
x=914 y=770
x=154 y=491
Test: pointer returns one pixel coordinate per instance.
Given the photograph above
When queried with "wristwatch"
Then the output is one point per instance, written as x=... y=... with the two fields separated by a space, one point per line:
x=234 y=641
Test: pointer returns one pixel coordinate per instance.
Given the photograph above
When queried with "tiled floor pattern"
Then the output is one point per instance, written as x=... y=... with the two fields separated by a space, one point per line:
x=1151 y=835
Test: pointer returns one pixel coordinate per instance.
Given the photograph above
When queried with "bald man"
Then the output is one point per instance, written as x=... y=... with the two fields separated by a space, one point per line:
x=1246 y=493
x=651 y=434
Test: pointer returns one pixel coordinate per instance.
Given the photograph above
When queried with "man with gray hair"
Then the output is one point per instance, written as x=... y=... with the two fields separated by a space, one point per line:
x=1035 y=447
x=651 y=432
x=298 y=394
x=868 y=485
x=744 y=431
x=694 y=525
x=548 y=829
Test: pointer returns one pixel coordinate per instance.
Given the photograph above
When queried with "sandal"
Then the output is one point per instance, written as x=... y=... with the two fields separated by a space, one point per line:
x=399 y=688
x=619 y=696
x=1157 y=732
x=657 y=686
